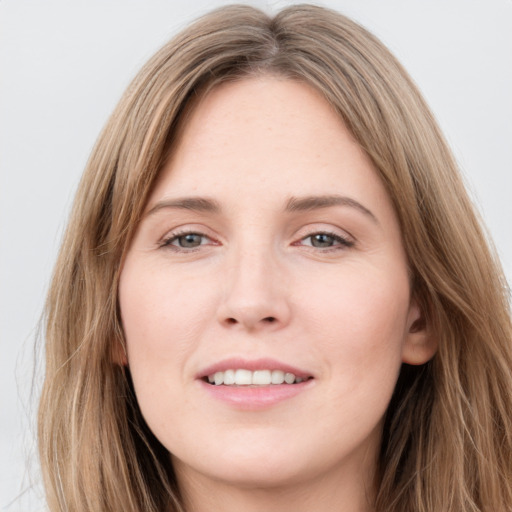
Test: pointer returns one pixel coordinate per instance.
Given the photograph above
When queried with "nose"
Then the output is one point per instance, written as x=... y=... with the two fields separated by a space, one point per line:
x=255 y=293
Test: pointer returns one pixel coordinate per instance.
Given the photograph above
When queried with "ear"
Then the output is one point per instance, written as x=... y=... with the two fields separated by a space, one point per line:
x=420 y=344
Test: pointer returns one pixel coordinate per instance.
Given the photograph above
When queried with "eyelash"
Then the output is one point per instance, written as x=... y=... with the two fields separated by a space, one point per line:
x=340 y=242
x=168 y=241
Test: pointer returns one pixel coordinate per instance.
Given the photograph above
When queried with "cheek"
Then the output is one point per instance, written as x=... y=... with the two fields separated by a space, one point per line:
x=161 y=315
x=360 y=322
x=162 y=318
x=362 y=328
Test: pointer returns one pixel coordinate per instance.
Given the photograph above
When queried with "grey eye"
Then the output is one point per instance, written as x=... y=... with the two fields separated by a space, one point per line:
x=189 y=241
x=322 y=240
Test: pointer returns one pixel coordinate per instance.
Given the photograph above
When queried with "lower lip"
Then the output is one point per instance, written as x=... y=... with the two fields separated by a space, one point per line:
x=256 y=397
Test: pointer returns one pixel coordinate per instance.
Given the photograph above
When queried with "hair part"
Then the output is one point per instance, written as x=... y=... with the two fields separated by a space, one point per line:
x=447 y=440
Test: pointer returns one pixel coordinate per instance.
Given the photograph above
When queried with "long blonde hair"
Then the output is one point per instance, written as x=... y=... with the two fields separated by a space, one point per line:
x=447 y=439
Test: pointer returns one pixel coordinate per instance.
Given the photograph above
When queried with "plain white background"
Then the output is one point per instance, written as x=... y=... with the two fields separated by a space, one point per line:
x=64 y=65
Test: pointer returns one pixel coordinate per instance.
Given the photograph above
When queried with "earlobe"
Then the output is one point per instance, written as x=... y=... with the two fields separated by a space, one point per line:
x=420 y=344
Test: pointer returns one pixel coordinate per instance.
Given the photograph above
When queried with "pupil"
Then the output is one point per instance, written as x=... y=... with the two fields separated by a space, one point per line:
x=190 y=240
x=322 y=240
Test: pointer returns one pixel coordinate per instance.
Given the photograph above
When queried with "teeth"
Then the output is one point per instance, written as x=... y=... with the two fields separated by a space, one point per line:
x=262 y=377
x=289 y=378
x=241 y=377
x=229 y=377
x=277 y=377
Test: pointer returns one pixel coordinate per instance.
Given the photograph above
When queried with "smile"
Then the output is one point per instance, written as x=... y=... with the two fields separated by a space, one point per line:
x=254 y=384
x=243 y=377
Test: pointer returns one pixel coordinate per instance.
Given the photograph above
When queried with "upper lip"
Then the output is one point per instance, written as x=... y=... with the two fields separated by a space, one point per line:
x=253 y=365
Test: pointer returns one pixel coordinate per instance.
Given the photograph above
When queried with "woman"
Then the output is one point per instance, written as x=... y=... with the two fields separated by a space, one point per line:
x=274 y=292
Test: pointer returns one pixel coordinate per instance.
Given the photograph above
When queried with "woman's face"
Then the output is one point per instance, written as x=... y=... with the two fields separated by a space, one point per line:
x=269 y=247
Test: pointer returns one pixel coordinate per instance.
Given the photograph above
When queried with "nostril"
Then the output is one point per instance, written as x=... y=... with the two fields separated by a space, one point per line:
x=250 y=323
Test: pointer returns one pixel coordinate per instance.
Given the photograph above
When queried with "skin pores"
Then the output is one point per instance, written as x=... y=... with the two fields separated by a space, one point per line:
x=269 y=243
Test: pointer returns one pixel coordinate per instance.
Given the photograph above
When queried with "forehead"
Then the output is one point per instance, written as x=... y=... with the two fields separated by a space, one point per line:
x=263 y=136
x=274 y=108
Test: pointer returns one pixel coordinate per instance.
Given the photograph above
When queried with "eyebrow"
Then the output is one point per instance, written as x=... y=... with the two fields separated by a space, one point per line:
x=308 y=203
x=294 y=204
x=200 y=204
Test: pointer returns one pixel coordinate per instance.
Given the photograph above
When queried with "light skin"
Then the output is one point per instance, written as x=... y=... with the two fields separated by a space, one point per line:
x=269 y=235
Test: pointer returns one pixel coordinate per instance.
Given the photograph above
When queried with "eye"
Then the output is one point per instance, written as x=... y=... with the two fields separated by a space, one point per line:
x=188 y=240
x=326 y=241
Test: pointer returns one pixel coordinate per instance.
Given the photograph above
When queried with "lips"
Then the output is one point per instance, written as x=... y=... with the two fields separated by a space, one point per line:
x=253 y=385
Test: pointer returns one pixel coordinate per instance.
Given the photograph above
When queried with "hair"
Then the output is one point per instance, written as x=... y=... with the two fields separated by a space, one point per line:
x=447 y=439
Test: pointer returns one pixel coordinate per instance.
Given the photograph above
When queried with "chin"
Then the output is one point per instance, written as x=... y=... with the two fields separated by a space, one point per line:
x=260 y=475
x=256 y=468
